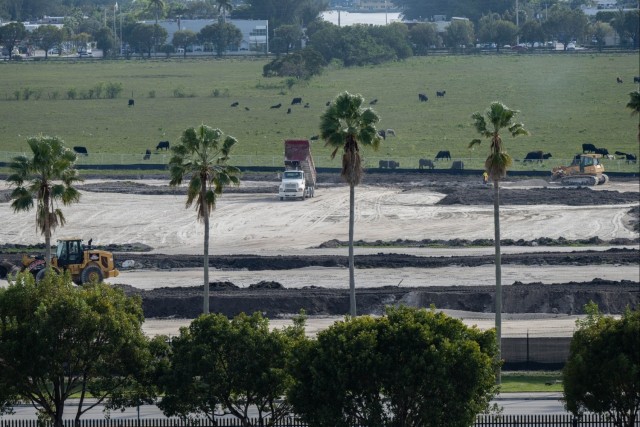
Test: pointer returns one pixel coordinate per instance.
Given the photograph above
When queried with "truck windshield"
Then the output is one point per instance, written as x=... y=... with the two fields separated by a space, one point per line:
x=293 y=175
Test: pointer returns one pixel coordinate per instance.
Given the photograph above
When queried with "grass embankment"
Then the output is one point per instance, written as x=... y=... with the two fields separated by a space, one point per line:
x=522 y=382
x=565 y=100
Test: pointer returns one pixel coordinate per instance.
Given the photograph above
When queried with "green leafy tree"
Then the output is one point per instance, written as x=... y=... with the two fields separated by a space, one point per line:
x=458 y=34
x=157 y=6
x=11 y=35
x=183 y=39
x=602 y=374
x=395 y=37
x=627 y=25
x=423 y=36
x=46 y=37
x=346 y=126
x=566 y=24
x=600 y=32
x=634 y=106
x=45 y=179
x=222 y=366
x=489 y=125
x=145 y=37
x=531 y=31
x=411 y=367
x=290 y=36
x=202 y=156
x=106 y=42
x=58 y=341
x=222 y=36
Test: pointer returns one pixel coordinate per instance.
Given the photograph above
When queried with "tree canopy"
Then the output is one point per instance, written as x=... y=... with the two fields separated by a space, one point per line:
x=58 y=341
x=602 y=374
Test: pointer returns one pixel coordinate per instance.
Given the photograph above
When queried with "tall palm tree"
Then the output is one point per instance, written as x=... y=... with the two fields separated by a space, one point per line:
x=157 y=6
x=346 y=125
x=202 y=156
x=224 y=6
x=634 y=106
x=44 y=180
x=497 y=117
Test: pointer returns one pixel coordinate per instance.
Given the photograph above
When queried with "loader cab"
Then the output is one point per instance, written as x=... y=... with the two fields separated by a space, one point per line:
x=69 y=252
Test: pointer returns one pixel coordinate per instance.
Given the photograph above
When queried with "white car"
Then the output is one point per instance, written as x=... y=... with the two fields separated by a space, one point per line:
x=571 y=46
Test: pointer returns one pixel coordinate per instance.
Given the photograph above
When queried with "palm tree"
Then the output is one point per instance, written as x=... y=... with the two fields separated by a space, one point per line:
x=496 y=118
x=202 y=155
x=634 y=106
x=157 y=6
x=47 y=177
x=346 y=125
x=224 y=6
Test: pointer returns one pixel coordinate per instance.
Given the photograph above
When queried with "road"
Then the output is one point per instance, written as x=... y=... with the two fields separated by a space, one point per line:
x=511 y=404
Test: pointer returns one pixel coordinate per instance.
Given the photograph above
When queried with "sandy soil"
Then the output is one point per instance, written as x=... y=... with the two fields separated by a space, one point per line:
x=252 y=221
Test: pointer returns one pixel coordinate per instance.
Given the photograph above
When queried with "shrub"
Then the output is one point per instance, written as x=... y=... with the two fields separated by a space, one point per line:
x=72 y=93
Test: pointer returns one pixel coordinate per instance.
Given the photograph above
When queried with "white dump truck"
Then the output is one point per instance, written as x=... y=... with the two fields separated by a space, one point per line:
x=299 y=176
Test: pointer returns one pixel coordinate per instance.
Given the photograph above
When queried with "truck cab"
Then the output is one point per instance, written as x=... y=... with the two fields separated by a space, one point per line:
x=294 y=186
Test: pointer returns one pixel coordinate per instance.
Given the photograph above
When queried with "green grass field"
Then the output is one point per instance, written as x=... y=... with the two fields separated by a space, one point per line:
x=565 y=100
x=523 y=382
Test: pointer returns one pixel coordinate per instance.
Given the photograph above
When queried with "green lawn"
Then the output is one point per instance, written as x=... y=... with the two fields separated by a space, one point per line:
x=565 y=100
x=516 y=381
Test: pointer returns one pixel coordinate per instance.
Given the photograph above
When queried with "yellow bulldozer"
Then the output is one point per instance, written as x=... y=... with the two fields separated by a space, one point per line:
x=585 y=169
x=83 y=262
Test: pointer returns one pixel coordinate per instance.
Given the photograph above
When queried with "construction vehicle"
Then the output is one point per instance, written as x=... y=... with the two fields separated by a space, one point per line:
x=85 y=264
x=585 y=170
x=299 y=176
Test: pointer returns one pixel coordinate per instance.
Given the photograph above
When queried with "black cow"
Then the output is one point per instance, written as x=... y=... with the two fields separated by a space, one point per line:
x=588 y=148
x=132 y=103
x=538 y=156
x=636 y=79
x=147 y=155
x=382 y=133
x=457 y=165
x=163 y=145
x=631 y=158
x=422 y=97
x=619 y=80
x=295 y=101
x=602 y=151
x=390 y=164
x=315 y=137
x=276 y=106
x=374 y=102
x=441 y=94
x=246 y=108
x=443 y=155
x=327 y=103
x=306 y=105
x=288 y=110
x=235 y=104
x=81 y=150
x=426 y=163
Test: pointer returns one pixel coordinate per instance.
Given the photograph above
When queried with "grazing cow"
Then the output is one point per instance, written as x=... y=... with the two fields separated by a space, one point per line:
x=327 y=104
x=295 y=101
x=588 y=148
x=390 y=164
x=443 y=155
x=391 y=132
x=81 y=150
x=620 y=153
x=246 y=108
x=538 y=156
x=374 y=102
x=235 y=104
x=631 y=158
x=382 y=133
x=288 y=110
x=132 y=102
x=276 y=106
x=636 y=79
x=163 y=145
x=306 y=105
x=422 y=97
x=457 y=165
x=602 y=151
x=147 y=155
x=619 y=80
x=315 y=137
x=441 y=94
x=426 y=163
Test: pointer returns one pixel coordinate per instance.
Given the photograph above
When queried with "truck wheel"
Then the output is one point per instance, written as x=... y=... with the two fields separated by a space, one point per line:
x=91 y=274
x=41 y=273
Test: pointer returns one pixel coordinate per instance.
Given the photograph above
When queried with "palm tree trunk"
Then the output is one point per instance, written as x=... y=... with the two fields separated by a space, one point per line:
x=47 y=233
x=352 y=280
x=205 y=305
x=498 y=261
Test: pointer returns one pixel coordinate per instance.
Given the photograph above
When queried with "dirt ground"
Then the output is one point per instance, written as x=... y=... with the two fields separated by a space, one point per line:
x=423 y=240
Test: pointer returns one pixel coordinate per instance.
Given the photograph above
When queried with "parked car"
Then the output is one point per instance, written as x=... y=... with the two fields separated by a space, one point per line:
x=571 y=46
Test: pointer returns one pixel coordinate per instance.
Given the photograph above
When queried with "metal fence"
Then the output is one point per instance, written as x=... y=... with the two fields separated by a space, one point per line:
x=544 y=420
x=160 y=159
